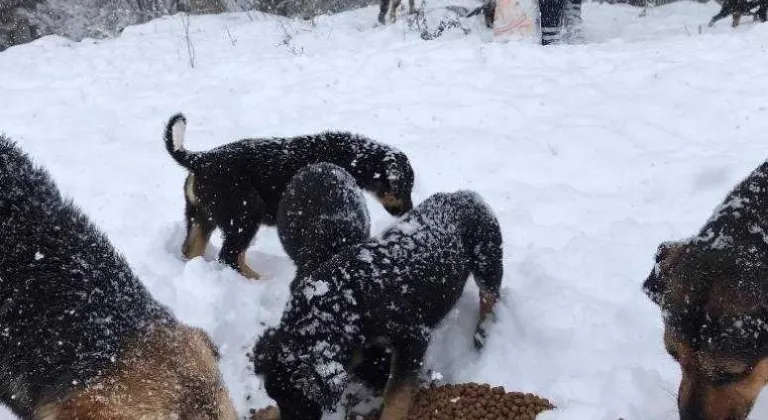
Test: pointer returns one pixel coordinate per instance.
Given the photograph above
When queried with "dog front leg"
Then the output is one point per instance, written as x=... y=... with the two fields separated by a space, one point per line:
x=411 y=7
x=239 y=218
x=736 y=20
x=487 y=303
x=403 y=380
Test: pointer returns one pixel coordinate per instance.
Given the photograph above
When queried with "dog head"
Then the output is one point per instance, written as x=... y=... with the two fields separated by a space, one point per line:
x=171 y=372
x=299 y=385
x=393 y=184
x=714 y=304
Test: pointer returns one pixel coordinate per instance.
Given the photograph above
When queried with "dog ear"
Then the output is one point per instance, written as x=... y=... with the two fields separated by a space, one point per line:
x=666 y=254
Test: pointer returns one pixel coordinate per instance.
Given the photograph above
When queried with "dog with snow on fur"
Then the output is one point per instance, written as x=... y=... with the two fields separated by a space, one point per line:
x=322 y=212
x=81 y=337
x=238 y=186
x=712 y=290
x=391 y=290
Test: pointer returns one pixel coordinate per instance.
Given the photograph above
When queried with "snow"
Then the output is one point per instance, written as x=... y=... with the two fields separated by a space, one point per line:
x=589 y=155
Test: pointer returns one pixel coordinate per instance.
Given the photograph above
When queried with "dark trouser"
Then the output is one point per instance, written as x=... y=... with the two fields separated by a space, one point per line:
x=555 y=14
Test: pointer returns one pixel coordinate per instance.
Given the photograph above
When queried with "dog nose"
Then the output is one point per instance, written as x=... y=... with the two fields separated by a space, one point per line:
x=395 y=210
x=694 y=413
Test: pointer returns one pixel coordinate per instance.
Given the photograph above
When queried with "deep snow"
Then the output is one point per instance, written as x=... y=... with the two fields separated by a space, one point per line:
x=589 y=155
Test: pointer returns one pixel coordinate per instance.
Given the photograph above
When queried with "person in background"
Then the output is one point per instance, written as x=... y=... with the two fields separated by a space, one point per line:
x=560 y=19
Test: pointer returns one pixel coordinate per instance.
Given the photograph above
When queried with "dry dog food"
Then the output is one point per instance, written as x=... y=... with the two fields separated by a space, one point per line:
x=475 y=402
x=458 y=402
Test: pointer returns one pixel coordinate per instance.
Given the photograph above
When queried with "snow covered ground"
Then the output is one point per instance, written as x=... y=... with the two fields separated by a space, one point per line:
x=590 y=155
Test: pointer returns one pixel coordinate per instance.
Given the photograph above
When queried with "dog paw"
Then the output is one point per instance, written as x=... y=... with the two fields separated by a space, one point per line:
x=248 y=273
x=480 y=338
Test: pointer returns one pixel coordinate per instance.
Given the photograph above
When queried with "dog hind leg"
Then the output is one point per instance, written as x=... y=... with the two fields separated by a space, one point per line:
x=407 y=359
x=239 y=216
x=724 y=12
x=199 y=223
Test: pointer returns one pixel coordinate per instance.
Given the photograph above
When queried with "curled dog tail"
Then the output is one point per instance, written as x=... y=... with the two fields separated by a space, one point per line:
x=174 y=141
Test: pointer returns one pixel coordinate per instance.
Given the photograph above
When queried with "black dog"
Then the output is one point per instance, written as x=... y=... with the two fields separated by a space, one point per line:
x=737 y=8
x=322 y=212
x=391 y=290
x=712 y=290
x=238 y=186
x=81 y=337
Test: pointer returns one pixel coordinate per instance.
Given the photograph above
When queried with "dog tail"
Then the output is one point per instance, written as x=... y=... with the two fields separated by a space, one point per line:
x=174 y=142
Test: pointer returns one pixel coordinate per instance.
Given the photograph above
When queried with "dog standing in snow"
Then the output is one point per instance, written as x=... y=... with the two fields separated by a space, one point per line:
x=391 y=290
x=81 y=337
x=738 y=8
x=712 y=289
x=322 y=212
x=238 y=186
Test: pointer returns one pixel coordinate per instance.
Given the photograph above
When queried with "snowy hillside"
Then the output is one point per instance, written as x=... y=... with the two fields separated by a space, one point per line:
x=589 y=154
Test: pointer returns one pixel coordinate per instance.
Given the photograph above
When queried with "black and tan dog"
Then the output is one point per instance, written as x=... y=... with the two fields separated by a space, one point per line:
x=713 y=293
x=81 y=337
x=392 y=291
x=238 y=186
x=739 y=8
x=322 y=212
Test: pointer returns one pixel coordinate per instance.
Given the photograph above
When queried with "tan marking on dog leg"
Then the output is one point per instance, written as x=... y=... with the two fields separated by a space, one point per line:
x=196 y=242
x=245 y=270
x=397 y=401
x=170 y=373
x=487 y=303
x=189 y=189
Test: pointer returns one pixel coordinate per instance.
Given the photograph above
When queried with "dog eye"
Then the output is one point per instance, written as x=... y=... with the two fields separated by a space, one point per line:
x=723 y=378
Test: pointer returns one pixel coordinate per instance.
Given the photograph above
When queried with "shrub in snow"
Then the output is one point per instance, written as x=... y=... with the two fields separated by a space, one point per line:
x=24 y=20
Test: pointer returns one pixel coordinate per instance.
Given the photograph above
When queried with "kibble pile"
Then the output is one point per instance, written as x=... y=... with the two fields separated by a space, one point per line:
x=475 y=402
x=464 y=401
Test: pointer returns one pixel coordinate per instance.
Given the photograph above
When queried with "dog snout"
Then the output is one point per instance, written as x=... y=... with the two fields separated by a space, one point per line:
x=395 y=205
x=396 y=209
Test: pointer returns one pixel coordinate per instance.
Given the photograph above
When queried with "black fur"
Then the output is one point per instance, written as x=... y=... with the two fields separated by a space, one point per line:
x=322 y=212
x=729 y=254
x=738 y=8
x=712 y=289
x=69 y=301
x=239 y=185
x=393 y=289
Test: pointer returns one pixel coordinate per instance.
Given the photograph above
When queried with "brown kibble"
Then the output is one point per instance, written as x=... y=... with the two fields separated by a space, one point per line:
x=474 y=401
